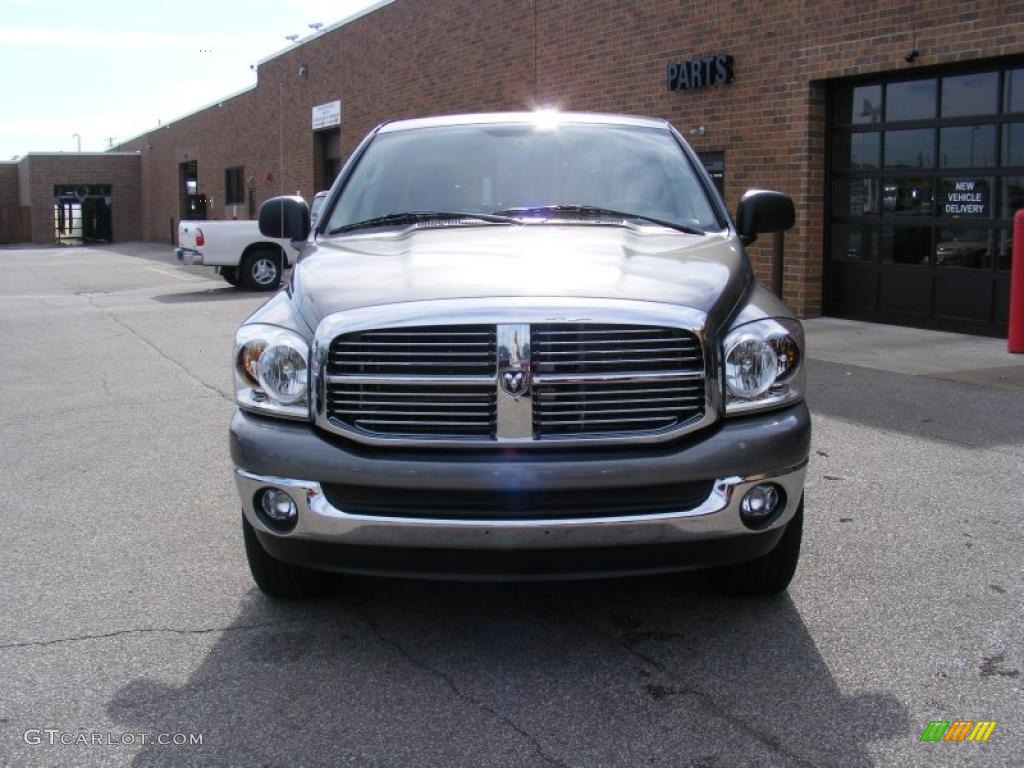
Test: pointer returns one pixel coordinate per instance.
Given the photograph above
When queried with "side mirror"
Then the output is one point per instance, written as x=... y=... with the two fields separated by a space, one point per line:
x=285 y=217
x=762 y=210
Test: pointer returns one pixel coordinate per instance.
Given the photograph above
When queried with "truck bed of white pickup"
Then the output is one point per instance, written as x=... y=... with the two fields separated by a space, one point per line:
x=241 y=255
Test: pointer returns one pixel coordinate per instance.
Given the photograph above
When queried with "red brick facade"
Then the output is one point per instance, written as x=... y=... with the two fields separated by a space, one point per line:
x=40 y=172
x=421 y=57
x=8 y=185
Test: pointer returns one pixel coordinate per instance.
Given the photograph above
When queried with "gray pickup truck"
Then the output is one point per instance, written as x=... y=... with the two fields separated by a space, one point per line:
x=522 y=346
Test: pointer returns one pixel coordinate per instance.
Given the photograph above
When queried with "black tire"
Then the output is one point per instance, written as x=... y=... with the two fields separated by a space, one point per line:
x=261 y=270
x=771 y=573
x=279 y=579
x=230 y=275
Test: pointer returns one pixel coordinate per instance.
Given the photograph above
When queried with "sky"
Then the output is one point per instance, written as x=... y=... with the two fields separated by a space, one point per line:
x=115 y=68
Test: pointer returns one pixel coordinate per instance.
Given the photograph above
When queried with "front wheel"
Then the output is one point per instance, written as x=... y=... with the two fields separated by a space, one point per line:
x=279 y=579
x=771 y=573
x=261 y=270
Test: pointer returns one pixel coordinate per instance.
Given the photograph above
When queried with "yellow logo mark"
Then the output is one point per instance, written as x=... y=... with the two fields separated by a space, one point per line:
x=982 y=730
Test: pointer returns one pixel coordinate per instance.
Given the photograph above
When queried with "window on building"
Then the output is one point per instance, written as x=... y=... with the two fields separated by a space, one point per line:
x=970 y=94
x=234 y=186
x=911 y=100
x=714 y=163
x=925 y=178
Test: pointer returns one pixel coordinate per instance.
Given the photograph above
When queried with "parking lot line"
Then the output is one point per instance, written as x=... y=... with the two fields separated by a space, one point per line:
x=176 y=276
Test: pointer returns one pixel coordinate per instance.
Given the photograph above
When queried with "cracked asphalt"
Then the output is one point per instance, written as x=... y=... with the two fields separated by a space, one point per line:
x=127 y=607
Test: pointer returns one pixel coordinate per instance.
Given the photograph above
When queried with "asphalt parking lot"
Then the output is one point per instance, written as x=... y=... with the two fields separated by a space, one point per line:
x=128 y=609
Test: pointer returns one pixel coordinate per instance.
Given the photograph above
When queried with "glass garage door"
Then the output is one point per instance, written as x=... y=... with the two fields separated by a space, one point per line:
x=925 y=176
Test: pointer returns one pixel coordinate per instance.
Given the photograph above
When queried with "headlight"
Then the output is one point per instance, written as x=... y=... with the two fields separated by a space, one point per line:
x=272 y=371
x=764 y=365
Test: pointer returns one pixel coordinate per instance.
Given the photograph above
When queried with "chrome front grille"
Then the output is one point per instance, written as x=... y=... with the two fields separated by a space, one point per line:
x=512 y=383
x=586 y=348
x=427 y=350
x=583 y=348
x=597 y=379
x=398 y=409
x=424 y=380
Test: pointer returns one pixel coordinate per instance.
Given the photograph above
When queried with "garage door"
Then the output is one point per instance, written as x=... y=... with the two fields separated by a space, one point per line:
x=924 y=177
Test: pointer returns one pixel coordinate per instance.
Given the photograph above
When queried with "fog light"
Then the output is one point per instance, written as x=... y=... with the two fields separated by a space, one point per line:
x=278 y=508
x=760 y=505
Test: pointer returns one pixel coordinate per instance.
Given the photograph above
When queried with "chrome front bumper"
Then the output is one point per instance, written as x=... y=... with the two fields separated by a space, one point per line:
x=717 y=518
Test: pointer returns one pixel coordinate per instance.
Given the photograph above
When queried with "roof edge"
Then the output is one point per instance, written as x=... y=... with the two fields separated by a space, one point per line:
x=107 y=153
x=196 y=111
x=298 y=43
x=329 y=28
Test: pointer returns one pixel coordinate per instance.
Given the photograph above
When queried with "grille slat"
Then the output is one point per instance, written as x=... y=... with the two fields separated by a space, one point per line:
x=404 y=403
x=617 y=342
x=553 y=365
x=604 y=379
x=620 y=353
x=418 y=423
x=583 y=408
x=418 y=344
x=540 y=333
x=696 y=388
x=362 y=413
x=432 y=332
x=340 y=357
x=446 y=398
x=562 y=403
x=406 y=365
x=662 y=420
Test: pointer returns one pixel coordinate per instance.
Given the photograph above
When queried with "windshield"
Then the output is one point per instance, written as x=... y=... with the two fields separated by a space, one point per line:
x=504 y=167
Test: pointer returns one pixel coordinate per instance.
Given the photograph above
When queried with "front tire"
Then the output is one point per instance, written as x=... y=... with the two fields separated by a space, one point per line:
x=279 y=579
x=771 y=573
x=261 y=270
x=230 y=275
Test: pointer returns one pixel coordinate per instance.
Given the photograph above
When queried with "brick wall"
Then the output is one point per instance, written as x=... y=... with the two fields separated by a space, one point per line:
x=419 y=57
x=9 y=185
x=14 y=220
x=23 y=194
x=39 y=173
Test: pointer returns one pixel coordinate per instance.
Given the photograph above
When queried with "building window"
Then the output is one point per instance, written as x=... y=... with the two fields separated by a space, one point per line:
x=234 y=186
x=925 y=178
x=714 y=163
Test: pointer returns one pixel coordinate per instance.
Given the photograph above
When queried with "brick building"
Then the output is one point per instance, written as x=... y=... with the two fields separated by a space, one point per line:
x=897 y=127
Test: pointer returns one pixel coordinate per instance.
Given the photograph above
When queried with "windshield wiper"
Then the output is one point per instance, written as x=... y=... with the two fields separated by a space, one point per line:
x=552 y=211
x=412 y=217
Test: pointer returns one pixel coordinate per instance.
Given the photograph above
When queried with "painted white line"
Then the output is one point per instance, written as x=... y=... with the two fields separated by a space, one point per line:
x=177 y=276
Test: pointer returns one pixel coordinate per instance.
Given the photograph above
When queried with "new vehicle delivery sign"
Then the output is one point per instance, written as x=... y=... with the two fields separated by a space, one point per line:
x=966 y=198
x=326 y=115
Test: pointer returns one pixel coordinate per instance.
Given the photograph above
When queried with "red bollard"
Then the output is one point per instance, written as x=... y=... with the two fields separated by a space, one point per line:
x=1016 y=337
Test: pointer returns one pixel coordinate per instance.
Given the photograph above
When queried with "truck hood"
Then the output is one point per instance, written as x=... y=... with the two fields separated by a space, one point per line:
x=704 y=272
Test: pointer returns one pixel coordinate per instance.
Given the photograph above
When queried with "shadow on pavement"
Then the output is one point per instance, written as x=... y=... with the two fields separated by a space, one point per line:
x=227 y=293
x=919 y=406
x=654 y=671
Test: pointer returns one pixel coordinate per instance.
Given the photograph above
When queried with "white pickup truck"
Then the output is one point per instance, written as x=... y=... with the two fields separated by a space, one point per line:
x=242 y=256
